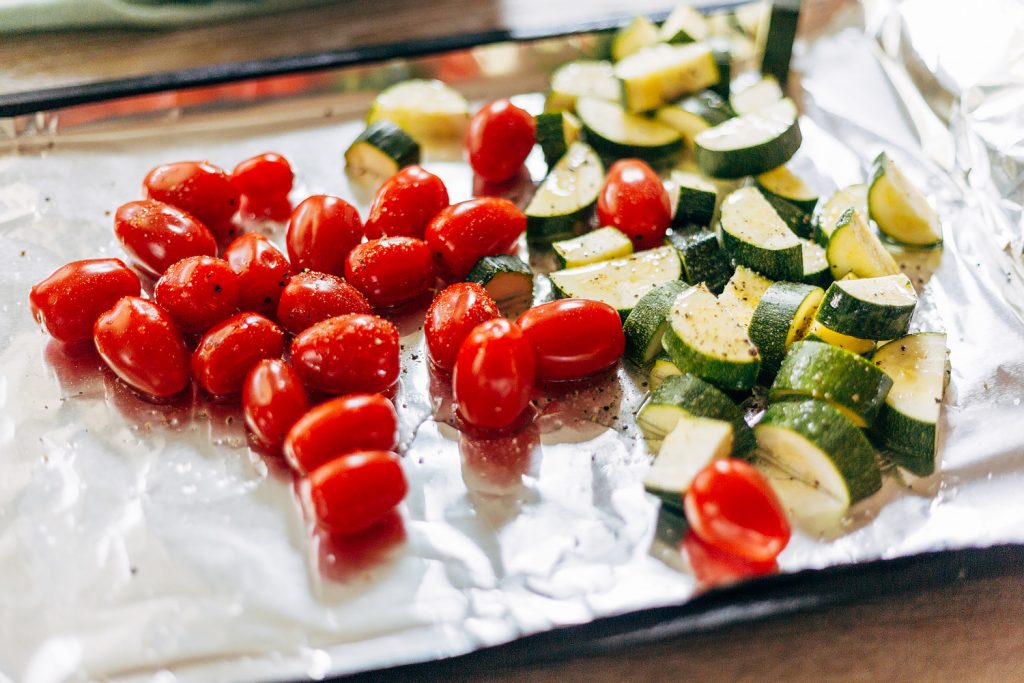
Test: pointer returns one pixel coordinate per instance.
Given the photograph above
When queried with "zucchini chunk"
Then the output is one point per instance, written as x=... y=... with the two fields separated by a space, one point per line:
x=662 y=73
x=743 y=292
x=828 y=213
x=695 y=113
x=703 y=259
x=603 y=244
x=556 y=132
x=788 y=187
x=899 y=209
x=582 y=78
x=615 y=133
x=917 y=365
x=507 y=279
x=688 y=448
x=870 y=308
x=620 y=283
x=562 y=205
x=381 y=151
x=646 y=323
x=817 y=444
x=750 y=144
x=850 y=383
x=684 y=25
x=705 y=339
x=662 y=369
x=635 y=36
x=696 y=199
x=428 y=110
x=754 y=236
x=685 y=395
x=854 y=248
x=781 y=318
x=755 y=97
x=819 y=332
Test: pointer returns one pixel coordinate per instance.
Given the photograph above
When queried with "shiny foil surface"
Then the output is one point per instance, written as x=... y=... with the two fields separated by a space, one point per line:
x=143 y=542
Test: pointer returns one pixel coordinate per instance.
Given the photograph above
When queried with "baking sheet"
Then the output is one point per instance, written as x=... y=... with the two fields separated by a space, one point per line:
x=142 y=542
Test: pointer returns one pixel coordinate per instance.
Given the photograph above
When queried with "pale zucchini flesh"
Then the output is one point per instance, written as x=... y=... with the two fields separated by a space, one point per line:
x=662 y=73
x=820 y=332
x=662 y=369
x=827 y=214
x=582 y=78
x=854 y=248
x=603 y=244
x=562 y=204
x=899 y=209
x=743 y=292
x=428 y=110
x=616 y=133
x=691 y=445
x=684 y=25
x=635 y=36
x=755 y=236
x=756 y=96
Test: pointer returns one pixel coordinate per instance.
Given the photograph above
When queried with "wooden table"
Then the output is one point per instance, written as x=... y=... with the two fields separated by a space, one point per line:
x=965 y=632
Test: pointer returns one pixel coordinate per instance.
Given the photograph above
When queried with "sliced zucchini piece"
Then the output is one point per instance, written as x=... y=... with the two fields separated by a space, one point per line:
x=696 y=199
x=705 y=339
x=662 y=73
x=819 y=332
x=899 y=209
x=850 y=383
x=684 y=25
x=646 y=323
x=688 y=448
x=556 y=132
x=620 y=283
x=750 y=144
x=662 y=369
x=813 y=510
x=755 y=97
x=870 y=308
x=754 y=236
x=685 y=395
x=428 y=110
x=816 y=270
x=781 y=318
x=787 y=186
x=854 y=248
x=743 y=293
x=562 y=205
x=703 y=258
x=828 y=213
x=603 y=244
x=380 y=151
x=917 y=365
x=819 y=445
x=635 y=36
x=616 y=133
x=507 y=279
x=582 y=78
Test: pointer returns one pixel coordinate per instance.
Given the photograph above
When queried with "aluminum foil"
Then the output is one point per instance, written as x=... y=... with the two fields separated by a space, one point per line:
x=142 y=542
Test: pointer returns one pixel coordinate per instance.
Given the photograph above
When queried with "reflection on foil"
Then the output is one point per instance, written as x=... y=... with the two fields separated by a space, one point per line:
x=144 y=542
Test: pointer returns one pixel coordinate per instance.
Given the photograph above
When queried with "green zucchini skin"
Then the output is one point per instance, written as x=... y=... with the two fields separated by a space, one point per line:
x=846 y=314
x=646 y=323
x=798 y=219
x=552 y=134
x=504 y=266
x=694 y=206
x=391 y=141
x=773 y=320
x=776 y=264
x=703 y=259
x=751 y=159
x=551 y=215
x=660 y=155
x=728 y=375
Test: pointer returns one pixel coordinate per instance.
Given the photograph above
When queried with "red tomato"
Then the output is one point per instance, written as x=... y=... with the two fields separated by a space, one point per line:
x=273 y=208
x=452 y=316
x=462 y=234
x=156 y=235
x=573 y=338
x=228 y=351
x=139 y=341
x=634 y=200
x=321 y=232
x=198 y=187
x=347 y=354
x=499 y=139
x=273 y=399
x=262 y=271
x=731 y=507
x=310 y=297
x=265 y=176
x=349 y=423
x=405 y=204
x=391 y=270
x=714 y=567
x=68 y=302
x=198 y=292
x=494 y=375
x=352 y=493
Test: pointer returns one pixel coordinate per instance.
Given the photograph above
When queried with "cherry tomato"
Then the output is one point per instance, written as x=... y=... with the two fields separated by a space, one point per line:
x=321 y=232
x=273 y=208
x=156 y=235
x=391 y=270
x=634 y=200
x=352 y=493
x=494 y=375
x=262 y=270
x=462 y=234
x=573 y=338
x=198 y=187
x=198 y=292
x=452 y=316
x=714 y=567
x=731 y=507
x=310 y=297
x=228 y=351
x=273 y=399
x=139 y=341
x=341 y=425
x=68 y=302
x=405 y=204
x=499 y=139
x=348 y=354
x=267 y=176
